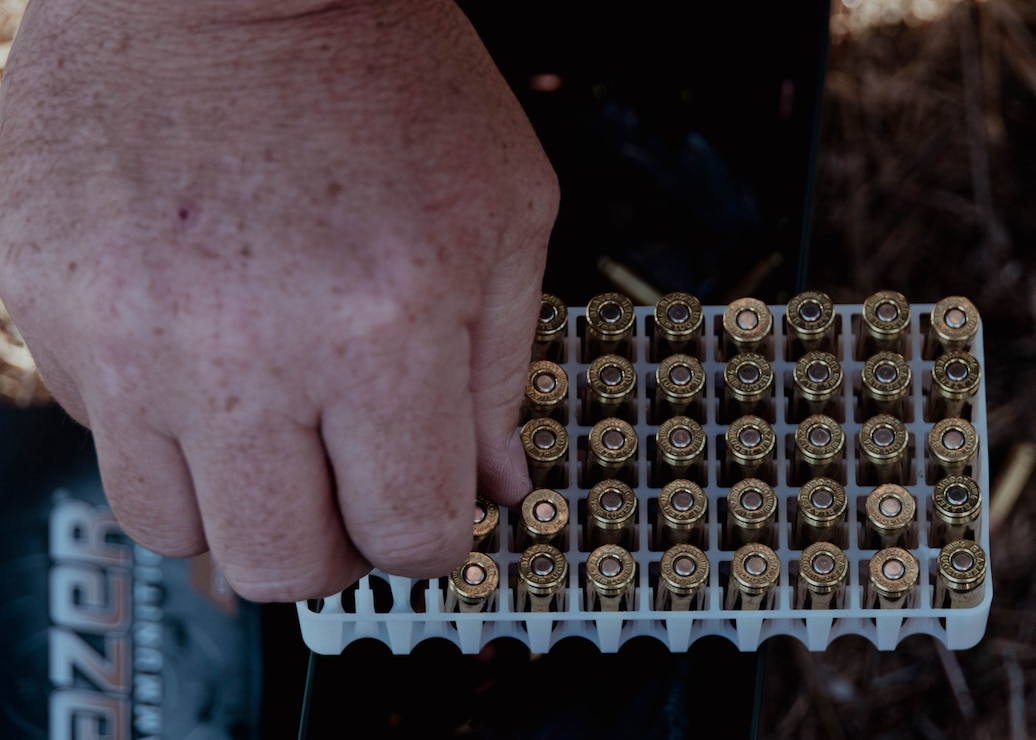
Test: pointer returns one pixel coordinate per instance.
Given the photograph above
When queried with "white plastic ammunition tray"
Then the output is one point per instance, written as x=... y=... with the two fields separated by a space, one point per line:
x=401 y=612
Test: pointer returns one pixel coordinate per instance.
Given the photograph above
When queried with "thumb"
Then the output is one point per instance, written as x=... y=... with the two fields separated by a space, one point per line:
x=501 y=345
x=502 y=336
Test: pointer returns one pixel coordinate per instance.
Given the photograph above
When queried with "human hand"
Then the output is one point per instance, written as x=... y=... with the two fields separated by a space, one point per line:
x=285 y=262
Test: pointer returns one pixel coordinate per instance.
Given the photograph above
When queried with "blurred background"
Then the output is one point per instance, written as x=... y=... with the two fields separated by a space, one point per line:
x=752 y=149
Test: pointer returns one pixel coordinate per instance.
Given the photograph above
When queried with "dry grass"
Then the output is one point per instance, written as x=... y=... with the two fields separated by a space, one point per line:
x=19 y=382
x=926 y=184
x=10 y=16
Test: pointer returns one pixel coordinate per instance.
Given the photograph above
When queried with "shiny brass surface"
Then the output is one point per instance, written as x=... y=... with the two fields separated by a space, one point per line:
x=954 y=323
x=610 y=574
x=823 y=569
x=754 y=572
x=893 y=575
x=747 y=327
x=962 y=574
x=473 y=584
x=683 y=574
x=542 y=576
x=811 y=320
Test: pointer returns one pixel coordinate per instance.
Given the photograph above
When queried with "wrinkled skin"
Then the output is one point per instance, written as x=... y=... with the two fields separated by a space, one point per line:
x=284 y=260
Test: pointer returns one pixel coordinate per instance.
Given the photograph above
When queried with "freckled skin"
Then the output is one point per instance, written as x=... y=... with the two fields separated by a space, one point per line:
x=292 y=300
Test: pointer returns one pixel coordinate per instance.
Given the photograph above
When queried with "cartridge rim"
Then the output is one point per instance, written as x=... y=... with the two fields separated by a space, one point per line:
x=609 y=316
x=893 y=572
x=962 y=565
x=810 y=314
x=538 y=580
x=751 y=503
x=610 y=569
x=678 y=316
x=956 y=374
x=883 y=438
x=490 y=517
x=684 y=569
x=611 y=377
x=680 y=441
x=536 y=431
x=953 y=441
x=748 y=376
x=955 y=321
x=886 y=376
x=755 y=568
x=814 y=386
x=611 y=504
x=541 y=395
x=552 y=320
x=741 y=327
x=811 y=508
x=472 y=590
x=532 y=520
x=688 y=385
x=605 y=446
x=886 y=314
x=823 y=567
x=890 y=508
x=682 y=504
x=957 y=499
x=741 y=449
x=819 y=439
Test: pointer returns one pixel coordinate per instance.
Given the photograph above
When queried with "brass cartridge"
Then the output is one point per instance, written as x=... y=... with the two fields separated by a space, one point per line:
x=611 y=508
x=612 y=451
x=542 y=572
x=754 y=571
x=883 y=324
x=544 y=516
x=890 y=515
x=956 y=508
x=550 y=330
x=683 y=574
x=546 y=389
x=610 y=573
x=610 y=382
x=487 y=516
x=546 y=446
x=956 y=376
x=819 y=449
x=822 y=504
x=679 y=386
x=811 y=321
x=823 y=568
x=747 y=327
x=962 y=575
x=472 y=586
x=747 y=387
x=750 y=449
x=817 y=379
x=682 y=506
x=678 y=325
x=894 y=574
x=680 y=448
x=885 y=380
x=954 y=323
x=751 y=510
x=609 y=324
x=884 y=443
x=952 y=444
